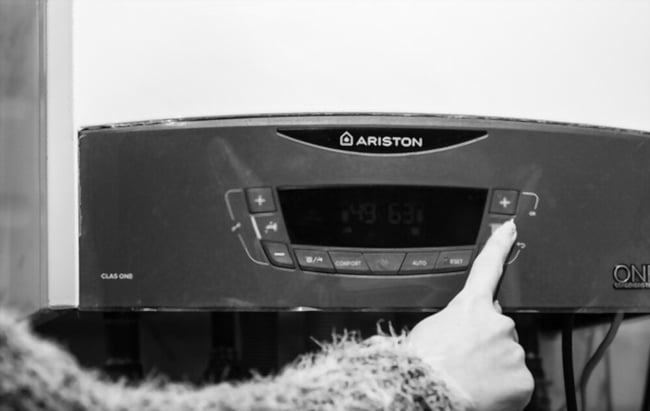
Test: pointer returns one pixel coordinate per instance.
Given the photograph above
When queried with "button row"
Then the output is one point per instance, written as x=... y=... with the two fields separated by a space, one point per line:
x=385 y=263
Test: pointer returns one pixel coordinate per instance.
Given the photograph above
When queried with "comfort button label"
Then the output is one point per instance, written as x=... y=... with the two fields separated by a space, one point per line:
x=349 y=262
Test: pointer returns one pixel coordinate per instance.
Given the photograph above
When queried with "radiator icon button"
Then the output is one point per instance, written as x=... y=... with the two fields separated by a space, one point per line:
x=314 y=260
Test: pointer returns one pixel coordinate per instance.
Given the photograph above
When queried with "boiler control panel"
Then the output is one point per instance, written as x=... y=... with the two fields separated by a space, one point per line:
x=380 y=212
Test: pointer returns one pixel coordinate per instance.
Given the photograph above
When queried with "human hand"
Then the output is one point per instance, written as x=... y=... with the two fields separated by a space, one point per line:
x=473 y=343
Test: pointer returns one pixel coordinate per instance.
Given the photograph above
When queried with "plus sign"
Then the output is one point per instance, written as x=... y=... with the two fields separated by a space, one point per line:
x=505 y=202
x=260 y=200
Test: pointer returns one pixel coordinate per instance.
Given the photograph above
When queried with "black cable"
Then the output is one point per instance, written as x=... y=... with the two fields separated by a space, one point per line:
x=608 y=382
x=567 y=363
x=646 y=395
x=597 y=356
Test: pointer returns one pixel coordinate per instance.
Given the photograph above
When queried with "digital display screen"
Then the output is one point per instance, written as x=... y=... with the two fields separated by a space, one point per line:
x=383 y=216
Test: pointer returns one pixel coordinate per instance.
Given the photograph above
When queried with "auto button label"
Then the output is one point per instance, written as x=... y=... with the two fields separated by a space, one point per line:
x=422 y=262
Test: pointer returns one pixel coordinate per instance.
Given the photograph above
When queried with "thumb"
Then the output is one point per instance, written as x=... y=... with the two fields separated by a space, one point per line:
x=487 y=269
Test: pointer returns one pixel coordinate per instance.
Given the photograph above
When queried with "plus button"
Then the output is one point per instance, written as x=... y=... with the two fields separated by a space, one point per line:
x=260 y=200
x=504 y=202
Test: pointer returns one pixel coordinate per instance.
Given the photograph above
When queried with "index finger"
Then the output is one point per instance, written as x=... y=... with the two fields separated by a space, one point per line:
x=487 y=269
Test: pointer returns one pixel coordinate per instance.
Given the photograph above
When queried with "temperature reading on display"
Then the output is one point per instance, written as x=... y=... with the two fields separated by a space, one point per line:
x=383 y=216
x=359 y=213
x=407 y=213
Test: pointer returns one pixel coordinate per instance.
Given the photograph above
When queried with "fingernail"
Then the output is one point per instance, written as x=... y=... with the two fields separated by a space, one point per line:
x=510 y=226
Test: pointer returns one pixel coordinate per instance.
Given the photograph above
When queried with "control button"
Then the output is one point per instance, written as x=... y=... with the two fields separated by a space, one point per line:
x=349 y=262
x=314 y=260
x=454 y=259
x=420 y=262
x=260 y=200
x=384 y=263
x=270 y=227
x=278 y=254
x=504 y=202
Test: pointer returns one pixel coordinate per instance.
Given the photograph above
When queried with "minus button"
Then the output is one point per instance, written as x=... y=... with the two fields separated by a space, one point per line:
x=278 y=254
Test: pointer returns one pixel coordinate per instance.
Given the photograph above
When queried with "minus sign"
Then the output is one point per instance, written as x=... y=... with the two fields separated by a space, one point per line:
x=279 y=254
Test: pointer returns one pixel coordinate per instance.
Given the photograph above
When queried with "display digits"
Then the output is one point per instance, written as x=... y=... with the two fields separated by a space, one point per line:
x=365 y=212
x=405 y=213
x=394 y=213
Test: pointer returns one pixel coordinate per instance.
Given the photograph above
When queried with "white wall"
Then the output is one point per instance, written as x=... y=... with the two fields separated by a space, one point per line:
x=573 y=61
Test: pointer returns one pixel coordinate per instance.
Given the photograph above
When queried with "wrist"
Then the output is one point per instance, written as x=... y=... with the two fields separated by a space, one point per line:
x=437 y=371
x=457 y=391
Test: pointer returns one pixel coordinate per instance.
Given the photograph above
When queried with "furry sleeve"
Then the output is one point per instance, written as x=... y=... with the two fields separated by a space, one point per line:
x=376 y=374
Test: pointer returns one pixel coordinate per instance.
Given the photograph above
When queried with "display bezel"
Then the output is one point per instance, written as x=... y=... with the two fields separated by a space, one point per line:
x=290 y=196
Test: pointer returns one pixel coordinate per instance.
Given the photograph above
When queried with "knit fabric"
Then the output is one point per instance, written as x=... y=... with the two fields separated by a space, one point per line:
x=347 y=374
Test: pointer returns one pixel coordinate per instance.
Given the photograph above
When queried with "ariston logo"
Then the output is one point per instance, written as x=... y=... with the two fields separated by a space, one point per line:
x=631 y=276
x=347 y=140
